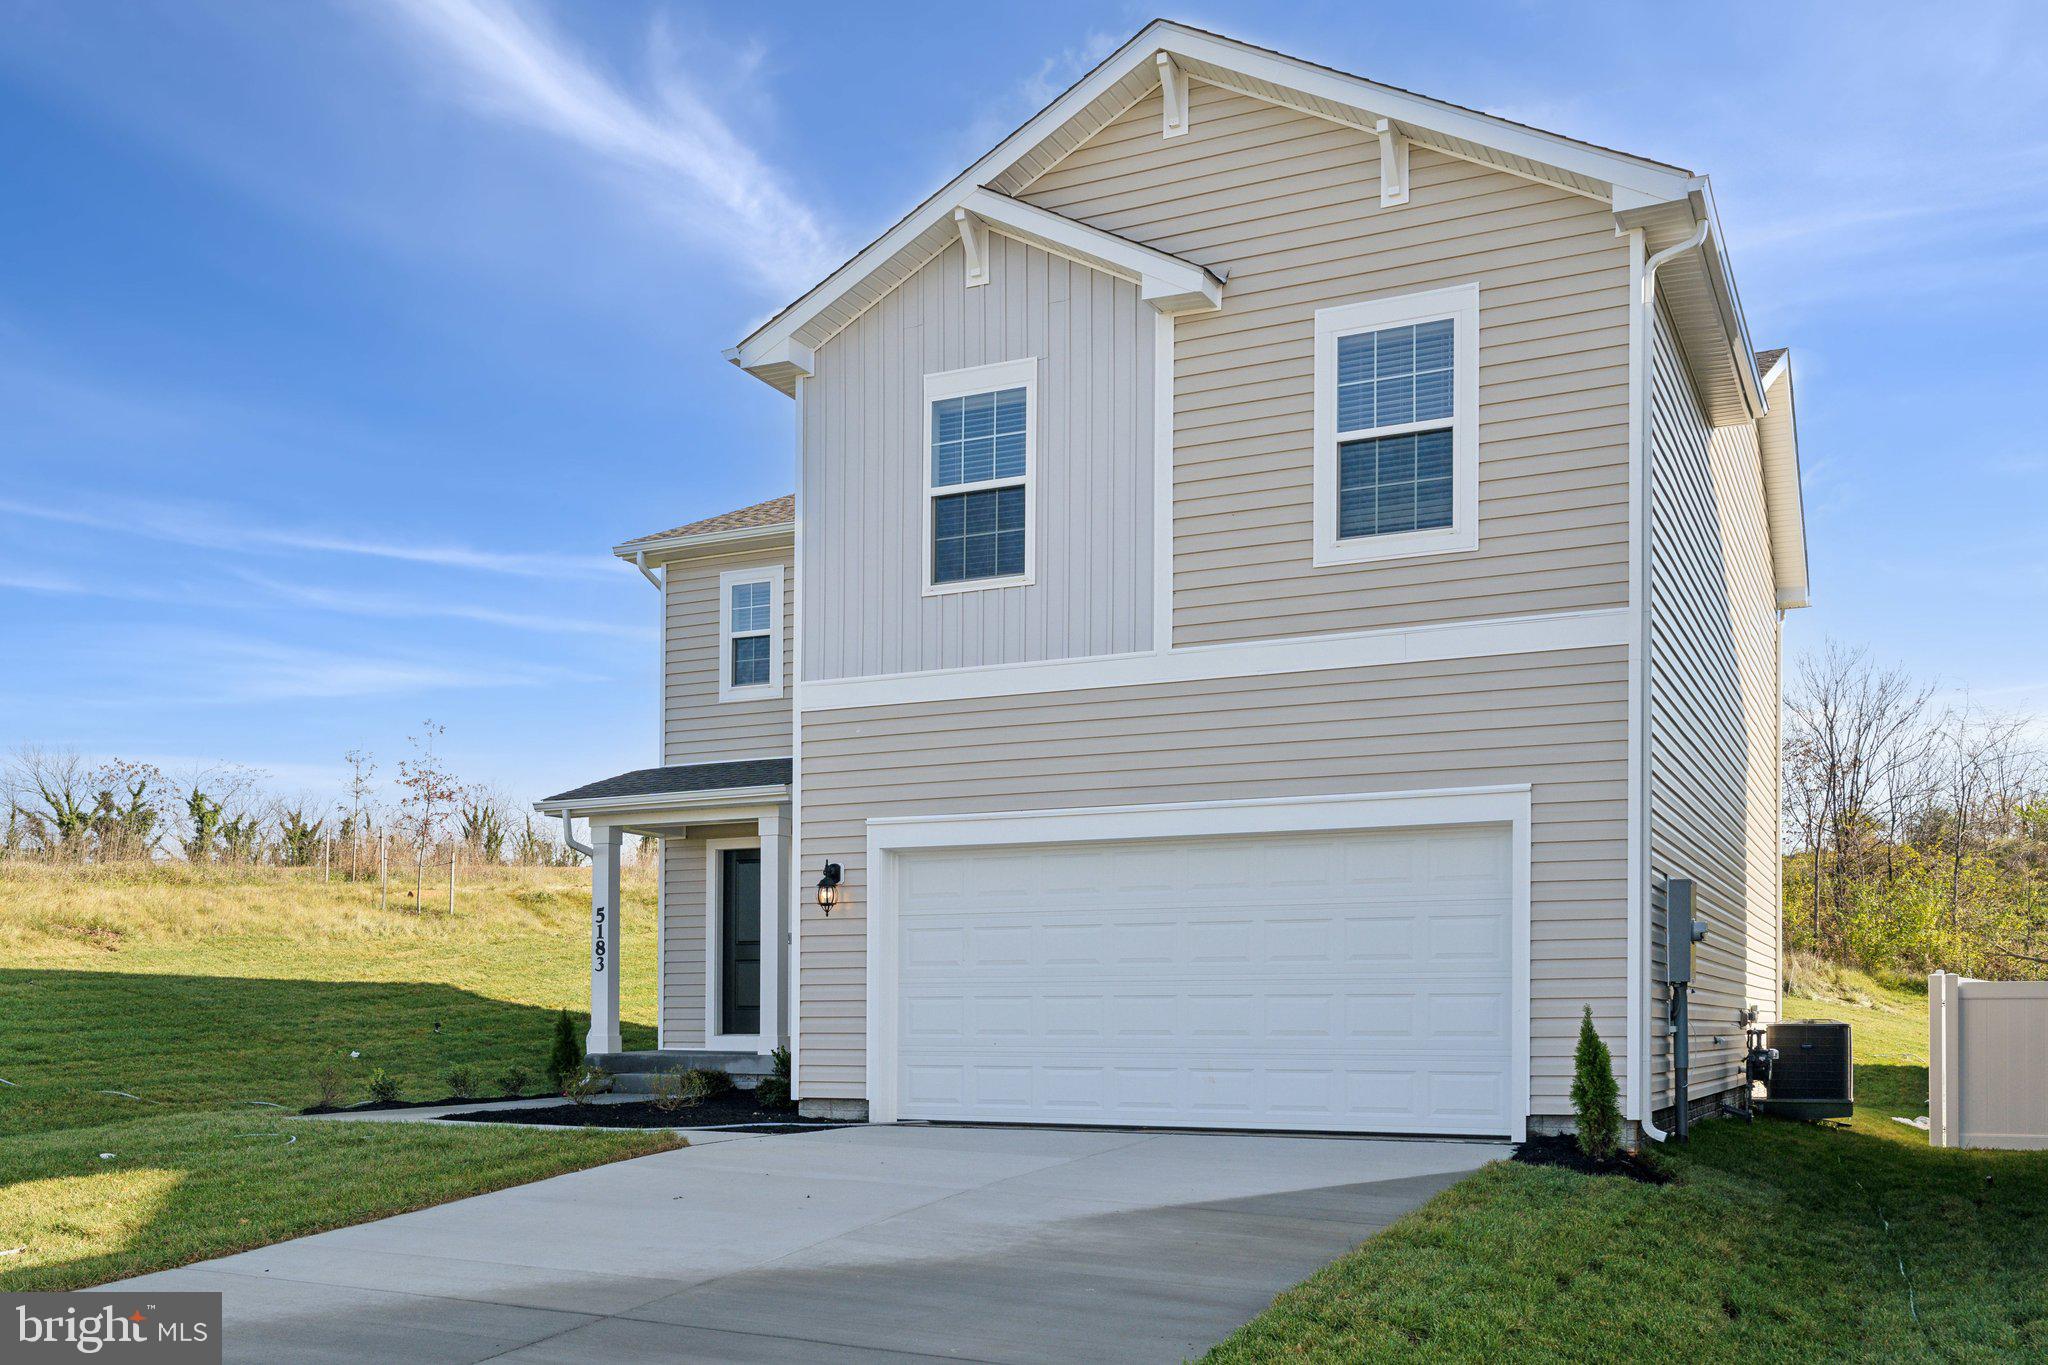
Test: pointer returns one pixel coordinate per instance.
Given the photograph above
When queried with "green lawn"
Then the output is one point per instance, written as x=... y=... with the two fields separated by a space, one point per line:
x=209 y=997
x=1777 y=1241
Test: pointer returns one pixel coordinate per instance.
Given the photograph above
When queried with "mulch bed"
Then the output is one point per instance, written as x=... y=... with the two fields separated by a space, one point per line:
x=372 y=1106
x=732 y=1109
x=1564 y=1151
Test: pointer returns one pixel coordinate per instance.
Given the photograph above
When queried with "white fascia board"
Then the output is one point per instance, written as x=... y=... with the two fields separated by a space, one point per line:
x=737 y=538
x=1784 y=495
x=612 y=809
x=1165 y=280
x=1601 y=628
x=756 y=354
x=1418 y=111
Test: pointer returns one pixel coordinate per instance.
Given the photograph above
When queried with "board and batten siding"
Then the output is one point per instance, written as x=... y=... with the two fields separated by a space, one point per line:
x=1288 y=205
x=1713 y=698
x=864 y=468
x=1555 y=720
x=696 y=726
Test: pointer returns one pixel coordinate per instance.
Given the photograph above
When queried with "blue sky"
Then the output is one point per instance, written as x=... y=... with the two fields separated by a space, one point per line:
x=337 y=343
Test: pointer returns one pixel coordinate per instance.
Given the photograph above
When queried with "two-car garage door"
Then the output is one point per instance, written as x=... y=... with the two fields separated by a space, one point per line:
x=1357 y=982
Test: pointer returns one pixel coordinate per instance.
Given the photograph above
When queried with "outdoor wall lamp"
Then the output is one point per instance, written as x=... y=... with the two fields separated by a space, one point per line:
x=828 y=888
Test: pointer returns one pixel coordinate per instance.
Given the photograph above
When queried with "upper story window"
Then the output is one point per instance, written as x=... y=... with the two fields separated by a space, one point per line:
x=981 y=452
x=1396 y=423
x=750 y=633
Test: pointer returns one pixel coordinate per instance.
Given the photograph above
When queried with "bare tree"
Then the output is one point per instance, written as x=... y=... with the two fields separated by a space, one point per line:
x=430 y=795
x=362 y=772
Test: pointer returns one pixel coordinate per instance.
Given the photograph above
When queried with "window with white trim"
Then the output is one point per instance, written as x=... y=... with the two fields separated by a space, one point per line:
x=1396 y=449
x=980 y=430
x=750 y=633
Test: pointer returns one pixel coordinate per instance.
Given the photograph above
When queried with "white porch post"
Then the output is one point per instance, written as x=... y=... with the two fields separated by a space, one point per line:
x=774 y=831
x=604 y=939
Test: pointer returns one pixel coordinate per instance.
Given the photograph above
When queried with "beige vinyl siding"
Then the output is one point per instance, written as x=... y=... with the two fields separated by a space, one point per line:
x=696 y=726
x=1288 y=204
x=1713 y=716
x=864 y=470
x=1555 y=720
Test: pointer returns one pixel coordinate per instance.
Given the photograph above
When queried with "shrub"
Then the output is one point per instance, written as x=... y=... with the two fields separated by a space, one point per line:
x=565 y=1056
x=461 y=1082
x=713 y=1082
x=674 y=1091
x=514 y=1080
x=586 y=1083
x=1594 y=1093
x=330 y=1084
x=773 y=1091
x=383 y=1085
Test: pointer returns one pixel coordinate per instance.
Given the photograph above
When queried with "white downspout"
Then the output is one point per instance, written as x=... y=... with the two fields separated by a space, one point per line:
x=569 y=838
x=1639 y=927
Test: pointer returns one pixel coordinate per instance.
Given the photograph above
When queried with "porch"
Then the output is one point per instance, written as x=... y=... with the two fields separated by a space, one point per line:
x=722 y=957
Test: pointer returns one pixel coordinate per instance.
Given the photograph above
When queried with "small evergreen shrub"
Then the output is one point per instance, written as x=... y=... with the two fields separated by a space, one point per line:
x=712 y=1082
x=773 y=1091
x=383 y=1085
x=1595 y=1096
x=586 y=1084
x=461 y=1082
x=514 y=1080
x=565 y=1055
x=330 y=1084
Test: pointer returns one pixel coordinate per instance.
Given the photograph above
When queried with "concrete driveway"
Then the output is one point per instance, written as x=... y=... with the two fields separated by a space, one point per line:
x=851 y=1244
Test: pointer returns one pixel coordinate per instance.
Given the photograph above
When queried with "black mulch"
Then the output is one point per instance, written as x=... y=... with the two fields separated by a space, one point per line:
x=732 y=1109
x=1564 y=1151
x=372 y=1106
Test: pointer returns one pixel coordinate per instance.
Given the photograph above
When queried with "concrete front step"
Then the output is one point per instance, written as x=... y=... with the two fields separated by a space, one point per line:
x=633 y=1073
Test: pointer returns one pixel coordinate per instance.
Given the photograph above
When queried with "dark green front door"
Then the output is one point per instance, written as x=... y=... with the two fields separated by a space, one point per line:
x=739 y=938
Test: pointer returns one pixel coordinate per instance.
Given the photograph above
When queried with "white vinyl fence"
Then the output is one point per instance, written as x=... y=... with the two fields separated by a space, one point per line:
x=1987 y=1062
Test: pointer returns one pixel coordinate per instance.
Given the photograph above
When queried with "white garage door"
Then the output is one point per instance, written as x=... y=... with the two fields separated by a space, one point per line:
x=1354 y=982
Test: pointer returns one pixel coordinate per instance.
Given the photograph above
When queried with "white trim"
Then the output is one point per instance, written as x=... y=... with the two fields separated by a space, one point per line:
x=887 y=838
x=1393 y=163
x=796 y=778
x=715 y=1038
x=1637 y=997
x=1162 y=480
x=1173 y=97
x=771 y=574
x=660 y=944
x=1459 y=304
x=1003 y=374
x=1256 y=658
x=731 y=541
x=1166 y=281
x=762 y=353
x=679 y=803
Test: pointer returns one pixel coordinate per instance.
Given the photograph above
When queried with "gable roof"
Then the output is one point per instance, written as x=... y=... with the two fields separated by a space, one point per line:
x=742 y=523
x=781 y=349
x=1777 y=448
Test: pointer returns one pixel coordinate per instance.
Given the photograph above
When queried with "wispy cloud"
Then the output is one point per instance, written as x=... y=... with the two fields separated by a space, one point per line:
x=672 y=146
x=31 y=580
x=1004 y=114
x=395 y=607
x=208 y=527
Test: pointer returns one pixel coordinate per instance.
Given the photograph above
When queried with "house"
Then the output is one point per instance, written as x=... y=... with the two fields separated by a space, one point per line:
x=1284 y=572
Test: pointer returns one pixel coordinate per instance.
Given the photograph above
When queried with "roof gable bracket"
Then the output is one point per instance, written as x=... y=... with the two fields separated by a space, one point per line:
x=1393 y=163
x=1173 y=91
x=974 y=241
x=1172 y=284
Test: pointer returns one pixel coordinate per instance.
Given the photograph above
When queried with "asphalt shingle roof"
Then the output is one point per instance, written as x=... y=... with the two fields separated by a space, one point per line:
x=1766 y=359
x=680 y=778
x=774 y=512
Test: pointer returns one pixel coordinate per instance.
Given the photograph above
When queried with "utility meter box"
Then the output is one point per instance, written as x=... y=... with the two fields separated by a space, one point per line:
x=1682 y=929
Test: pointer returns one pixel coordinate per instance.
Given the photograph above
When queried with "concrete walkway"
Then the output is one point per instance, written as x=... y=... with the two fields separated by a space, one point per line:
x=850 y=1244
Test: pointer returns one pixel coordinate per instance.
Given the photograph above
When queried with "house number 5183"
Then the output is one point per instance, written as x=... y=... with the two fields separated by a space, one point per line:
x=598 y=946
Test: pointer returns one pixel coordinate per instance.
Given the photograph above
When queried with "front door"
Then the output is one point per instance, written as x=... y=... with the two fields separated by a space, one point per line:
x=739 y=938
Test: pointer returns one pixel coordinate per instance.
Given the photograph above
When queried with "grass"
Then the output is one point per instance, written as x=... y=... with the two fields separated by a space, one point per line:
x=210 y=995
x=1777 y=1241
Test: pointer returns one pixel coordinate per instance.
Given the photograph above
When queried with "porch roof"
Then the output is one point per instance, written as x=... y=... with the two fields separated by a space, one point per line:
x=678 y=783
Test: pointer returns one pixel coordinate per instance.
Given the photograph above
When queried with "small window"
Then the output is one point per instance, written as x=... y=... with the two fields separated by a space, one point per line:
x=751 y=628
x=1396 y=459
x=978 y=476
